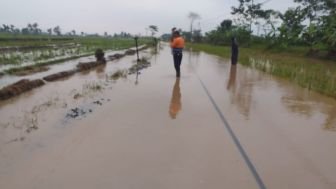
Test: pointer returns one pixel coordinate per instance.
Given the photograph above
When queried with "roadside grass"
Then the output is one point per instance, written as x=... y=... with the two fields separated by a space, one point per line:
x=312 y=73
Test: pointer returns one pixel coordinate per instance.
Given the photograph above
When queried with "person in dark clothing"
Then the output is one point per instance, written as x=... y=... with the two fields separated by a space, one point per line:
x=234 y=51
x=177 y=46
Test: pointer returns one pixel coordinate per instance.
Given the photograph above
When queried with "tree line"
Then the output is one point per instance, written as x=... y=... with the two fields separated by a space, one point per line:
x=310 y=23
x=33 y=29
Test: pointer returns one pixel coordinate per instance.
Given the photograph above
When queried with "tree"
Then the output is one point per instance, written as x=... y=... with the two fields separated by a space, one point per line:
x=192 y=17
x=311 y=8
x=153 y=29
x=5 y=28
x=249 y=12
x=197 y=36
x=57 y=30
x=225 y=31
x=49 y=31
x=328 y=25
x=291 y=27
x=226 y=24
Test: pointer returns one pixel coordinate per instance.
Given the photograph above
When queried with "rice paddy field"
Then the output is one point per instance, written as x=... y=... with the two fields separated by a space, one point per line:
x=17 y=52
x=311 y=73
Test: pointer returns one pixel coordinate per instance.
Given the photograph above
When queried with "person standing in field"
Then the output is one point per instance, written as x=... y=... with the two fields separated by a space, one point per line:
x=177 y=45
x=234 y=51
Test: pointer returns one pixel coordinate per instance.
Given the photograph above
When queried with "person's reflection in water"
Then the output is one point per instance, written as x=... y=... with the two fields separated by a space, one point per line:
x=232 y=79
x=175 y=103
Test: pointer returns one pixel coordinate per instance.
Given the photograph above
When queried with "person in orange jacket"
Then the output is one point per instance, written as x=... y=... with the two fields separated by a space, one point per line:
x=177 y=46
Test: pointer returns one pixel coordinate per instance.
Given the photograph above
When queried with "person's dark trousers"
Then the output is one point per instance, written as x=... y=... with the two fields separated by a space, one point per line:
x=177 y=63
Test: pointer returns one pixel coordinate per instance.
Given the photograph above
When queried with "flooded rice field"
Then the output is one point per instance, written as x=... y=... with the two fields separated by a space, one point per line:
x=55 y=68
x=218 y=126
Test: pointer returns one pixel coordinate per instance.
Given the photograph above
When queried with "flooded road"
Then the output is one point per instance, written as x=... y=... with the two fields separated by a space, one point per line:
x=218 y=126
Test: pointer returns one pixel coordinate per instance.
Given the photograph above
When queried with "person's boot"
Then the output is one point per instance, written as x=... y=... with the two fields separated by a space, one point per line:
x=178 y=74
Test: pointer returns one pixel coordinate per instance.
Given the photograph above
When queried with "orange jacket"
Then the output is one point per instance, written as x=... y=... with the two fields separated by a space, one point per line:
x=177 y=43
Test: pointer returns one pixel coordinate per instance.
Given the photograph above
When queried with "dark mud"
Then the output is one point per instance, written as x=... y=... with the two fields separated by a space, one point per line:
x=88 y=65
x=60 y=75
x=78 y=112
x=115 y=56
x=130 y=52
x=19 y=87
x=28 y=70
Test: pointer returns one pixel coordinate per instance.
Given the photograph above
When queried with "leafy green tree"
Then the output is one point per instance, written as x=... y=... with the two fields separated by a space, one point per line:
x=291 y=27
x=225 y=31
x=226 y=24
x=192 y=16
x=249 y=11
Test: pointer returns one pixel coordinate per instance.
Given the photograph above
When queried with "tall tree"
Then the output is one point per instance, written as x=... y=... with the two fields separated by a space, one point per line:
x=249 y=11
x=57 y=30
x=73 y=32
x=49 y=31
x=153 y=29
x=193 y=16
x=291 y=27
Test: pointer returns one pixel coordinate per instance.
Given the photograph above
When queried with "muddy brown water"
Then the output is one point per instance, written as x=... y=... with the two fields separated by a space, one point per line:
x=153 y=131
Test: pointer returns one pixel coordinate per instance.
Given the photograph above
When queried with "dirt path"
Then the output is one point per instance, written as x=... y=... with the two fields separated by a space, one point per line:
x=217 y=127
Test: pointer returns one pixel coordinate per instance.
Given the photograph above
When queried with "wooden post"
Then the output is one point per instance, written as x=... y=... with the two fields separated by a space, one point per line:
x=136 y=46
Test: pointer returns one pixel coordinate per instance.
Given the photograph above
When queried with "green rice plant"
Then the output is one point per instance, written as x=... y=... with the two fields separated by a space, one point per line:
x=313 y=74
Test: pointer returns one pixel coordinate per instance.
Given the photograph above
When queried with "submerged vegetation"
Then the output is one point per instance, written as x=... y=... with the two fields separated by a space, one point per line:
x=309 y=73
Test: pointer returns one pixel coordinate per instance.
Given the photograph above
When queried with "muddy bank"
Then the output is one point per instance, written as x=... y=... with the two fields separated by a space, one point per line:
x=130 y=52
x=115 y=56
x=88 y=65
x=60 y=75
x=19 y=87
x=27 y=70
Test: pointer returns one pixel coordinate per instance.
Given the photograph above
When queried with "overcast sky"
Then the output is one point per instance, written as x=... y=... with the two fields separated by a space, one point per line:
x=133 y=16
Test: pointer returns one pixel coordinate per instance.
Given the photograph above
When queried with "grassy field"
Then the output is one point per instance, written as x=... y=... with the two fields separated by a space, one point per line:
x=312 y=73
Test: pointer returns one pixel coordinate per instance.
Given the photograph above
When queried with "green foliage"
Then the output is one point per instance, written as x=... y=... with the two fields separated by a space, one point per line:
x=311 y=24
x=291 y=27
x=223 y=34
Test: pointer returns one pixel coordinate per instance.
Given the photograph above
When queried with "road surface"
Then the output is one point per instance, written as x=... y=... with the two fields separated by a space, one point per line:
x=217 y=126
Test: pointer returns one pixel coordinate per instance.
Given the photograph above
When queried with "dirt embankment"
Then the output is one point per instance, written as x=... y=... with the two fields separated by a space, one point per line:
x=59 y=75
x=19 y=87
x=28 y=70
x=88 y=65
x=115 y=56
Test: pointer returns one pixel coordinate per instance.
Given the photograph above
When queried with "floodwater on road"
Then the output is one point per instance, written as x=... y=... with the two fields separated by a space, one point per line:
x=218 y=126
